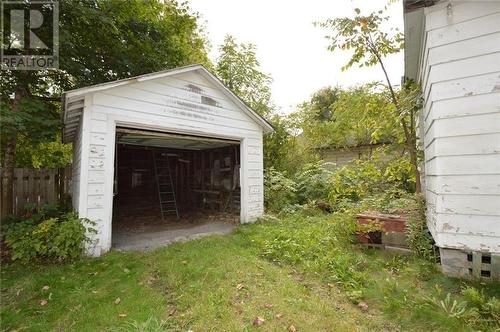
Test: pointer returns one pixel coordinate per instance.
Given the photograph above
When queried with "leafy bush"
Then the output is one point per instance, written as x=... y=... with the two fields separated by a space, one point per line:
x=418 y=237
x=279 y=190
x=312 y=182
x=399 y=173
x=384 y=183
x=381 y=176
x=54 y=239
x=355 y=181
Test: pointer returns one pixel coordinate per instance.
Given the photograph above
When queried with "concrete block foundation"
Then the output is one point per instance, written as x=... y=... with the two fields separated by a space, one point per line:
x=470 y=265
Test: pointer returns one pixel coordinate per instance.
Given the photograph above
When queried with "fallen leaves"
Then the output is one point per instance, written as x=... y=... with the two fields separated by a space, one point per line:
x=118 y=300
x=258 y=321
x=363 y=306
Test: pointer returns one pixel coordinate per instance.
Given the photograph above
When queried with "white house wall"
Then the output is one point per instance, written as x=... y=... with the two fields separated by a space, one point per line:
x=460 y=75
x=186 y=104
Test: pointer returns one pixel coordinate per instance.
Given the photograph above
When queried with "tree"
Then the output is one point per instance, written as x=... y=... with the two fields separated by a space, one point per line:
x=100 y=40
x=370 y=45
x=322 y=101
x=239 y=69
x=357 y=116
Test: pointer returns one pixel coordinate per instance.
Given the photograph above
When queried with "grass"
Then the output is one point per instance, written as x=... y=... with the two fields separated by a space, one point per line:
x=297 y=272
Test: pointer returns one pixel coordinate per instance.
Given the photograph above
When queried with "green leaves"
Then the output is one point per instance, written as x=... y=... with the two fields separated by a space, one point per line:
x=36 y=117
x=108 y=40
x=363 y=35
x=239 y=69
x=357 y=116
x=100 y=41
x=56 y=239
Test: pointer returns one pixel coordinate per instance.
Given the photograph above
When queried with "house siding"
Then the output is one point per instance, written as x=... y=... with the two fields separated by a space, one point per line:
x=186 y=103
x=460 y=124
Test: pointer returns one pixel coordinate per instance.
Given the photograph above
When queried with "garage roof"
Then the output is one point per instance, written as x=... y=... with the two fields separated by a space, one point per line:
x=73 y=99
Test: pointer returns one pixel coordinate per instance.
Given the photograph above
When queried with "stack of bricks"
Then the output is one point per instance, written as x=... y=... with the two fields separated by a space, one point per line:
x=393 y=232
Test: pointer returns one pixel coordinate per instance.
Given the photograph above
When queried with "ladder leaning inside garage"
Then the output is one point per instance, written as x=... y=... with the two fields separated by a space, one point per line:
x=165 y=185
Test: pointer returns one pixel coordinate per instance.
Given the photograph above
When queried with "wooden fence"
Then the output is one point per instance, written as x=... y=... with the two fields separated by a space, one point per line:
x=38 y=187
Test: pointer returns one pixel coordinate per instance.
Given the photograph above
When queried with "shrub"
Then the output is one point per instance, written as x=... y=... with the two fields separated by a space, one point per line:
x=279 y=190
x=53 y=239
x=418 y=237
x=355 y=181
x=399 y=172
x=381 y=179
x=384 y=182
x=312 y=182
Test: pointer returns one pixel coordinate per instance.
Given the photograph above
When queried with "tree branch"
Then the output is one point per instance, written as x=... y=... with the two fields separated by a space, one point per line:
x=44 y=98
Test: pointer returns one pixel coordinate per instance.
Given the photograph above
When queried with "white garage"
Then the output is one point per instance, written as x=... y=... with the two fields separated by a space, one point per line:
x=167 y=148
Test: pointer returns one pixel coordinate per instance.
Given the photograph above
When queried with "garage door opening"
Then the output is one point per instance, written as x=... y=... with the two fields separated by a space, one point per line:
x=171 y=187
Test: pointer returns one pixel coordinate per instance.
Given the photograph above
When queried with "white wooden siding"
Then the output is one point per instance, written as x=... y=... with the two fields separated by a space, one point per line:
x=185 y=103
x=460 y=75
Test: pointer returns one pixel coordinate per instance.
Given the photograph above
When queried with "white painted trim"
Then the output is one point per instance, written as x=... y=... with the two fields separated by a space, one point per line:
x=243 y=182
x=84 y=156
x=109 y=170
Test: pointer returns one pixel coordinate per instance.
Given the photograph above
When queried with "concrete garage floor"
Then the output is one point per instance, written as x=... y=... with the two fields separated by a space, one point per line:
x=145 y=233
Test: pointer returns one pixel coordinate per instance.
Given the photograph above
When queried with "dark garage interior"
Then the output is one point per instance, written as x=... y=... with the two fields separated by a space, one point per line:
x=168 y=183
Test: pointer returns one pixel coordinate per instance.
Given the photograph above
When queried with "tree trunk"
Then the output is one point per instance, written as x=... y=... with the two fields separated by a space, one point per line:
x=414 y=163
x=410 y=135
x=8 y=176
x=9 y=161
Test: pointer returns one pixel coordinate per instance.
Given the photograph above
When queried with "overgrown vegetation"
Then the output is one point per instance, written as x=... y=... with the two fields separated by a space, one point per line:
x=418 y=237
x=369 y=42
x=47 y=235
x=301 y=269
x=382 y=183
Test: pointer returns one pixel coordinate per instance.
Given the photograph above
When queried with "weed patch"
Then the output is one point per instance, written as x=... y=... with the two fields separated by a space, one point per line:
x=301 y=270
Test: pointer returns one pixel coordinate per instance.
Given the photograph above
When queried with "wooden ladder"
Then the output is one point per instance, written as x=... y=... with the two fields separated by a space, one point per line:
x=165 y=185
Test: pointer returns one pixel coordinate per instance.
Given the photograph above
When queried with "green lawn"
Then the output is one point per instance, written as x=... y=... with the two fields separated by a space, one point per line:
x=297 y=273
